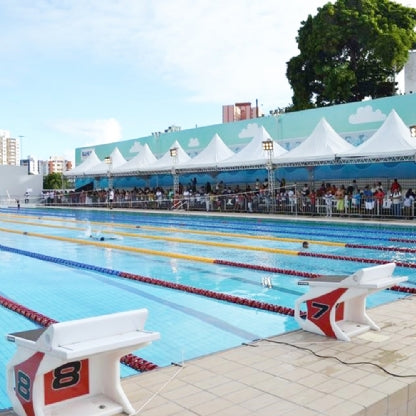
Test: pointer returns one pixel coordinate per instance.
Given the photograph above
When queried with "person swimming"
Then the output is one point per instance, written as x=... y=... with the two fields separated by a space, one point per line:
x=100 y=237
x=305 y=244
x=97 y=237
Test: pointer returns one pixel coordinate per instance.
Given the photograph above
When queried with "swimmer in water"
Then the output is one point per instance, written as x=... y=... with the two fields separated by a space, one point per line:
x=97 y=237
x=305 y=244
x=100 y=237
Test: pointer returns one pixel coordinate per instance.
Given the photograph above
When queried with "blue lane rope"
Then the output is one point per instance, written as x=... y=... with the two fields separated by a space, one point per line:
x=58 y=260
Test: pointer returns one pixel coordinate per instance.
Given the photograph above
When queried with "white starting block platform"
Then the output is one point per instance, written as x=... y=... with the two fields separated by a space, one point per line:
x=336 y=305
x=73 y=368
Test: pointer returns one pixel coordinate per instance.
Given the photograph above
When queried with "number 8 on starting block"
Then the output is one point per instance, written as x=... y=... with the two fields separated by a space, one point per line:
x=73 y=368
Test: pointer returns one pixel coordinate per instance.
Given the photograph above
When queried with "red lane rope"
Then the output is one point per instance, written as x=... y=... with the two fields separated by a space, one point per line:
x=130 y=360
x=267 y=269
x=356 y=259
x=145 y=366
x=403 y=289
x=211 y=294
x=26 y=312
x=402 y=240
x=398 y=249
x=231 y=298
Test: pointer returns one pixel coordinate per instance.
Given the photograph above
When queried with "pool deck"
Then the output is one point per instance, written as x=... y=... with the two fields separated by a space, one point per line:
x=283 y=376
x=296 y=374
x=277 y=377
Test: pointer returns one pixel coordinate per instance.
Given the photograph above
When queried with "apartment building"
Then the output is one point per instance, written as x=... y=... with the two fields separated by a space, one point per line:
x=239 y=111
x=9 y=149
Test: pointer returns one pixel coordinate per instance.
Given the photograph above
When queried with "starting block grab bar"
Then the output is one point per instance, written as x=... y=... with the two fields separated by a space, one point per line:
x=336 y=305
x=73 y=368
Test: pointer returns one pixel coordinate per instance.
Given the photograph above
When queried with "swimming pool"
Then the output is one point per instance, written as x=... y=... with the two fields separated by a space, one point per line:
x=45 y=253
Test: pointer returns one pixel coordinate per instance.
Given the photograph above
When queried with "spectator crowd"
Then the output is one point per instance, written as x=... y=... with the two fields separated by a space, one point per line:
x=328 y=199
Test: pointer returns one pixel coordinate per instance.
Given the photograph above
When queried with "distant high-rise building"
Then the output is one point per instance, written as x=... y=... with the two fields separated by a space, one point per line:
x=32 y=165
x=9 y=149
x=239 y=111
x=410 y=74
x=58 y=165
x=43 y=167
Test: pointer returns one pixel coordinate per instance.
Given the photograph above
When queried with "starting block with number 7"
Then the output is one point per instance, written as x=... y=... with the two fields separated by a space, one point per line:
x=336 y=305
x=73 y=368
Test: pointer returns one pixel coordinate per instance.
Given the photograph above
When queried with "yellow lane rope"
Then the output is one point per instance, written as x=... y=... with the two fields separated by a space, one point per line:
x=180 y=240
x=248 y=236
x=197 y=232
x=113 y=246
x=36 y=224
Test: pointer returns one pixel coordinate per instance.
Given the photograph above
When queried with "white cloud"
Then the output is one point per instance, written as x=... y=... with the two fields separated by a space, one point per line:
x=216 y=51
x=240 y=55
x=366 y=114
x=93 y=132
x=160 y=54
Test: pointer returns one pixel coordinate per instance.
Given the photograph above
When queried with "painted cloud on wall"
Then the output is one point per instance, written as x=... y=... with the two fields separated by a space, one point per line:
x=366 y=114
x=136 y=148
x=193 y=142
x=251 y=130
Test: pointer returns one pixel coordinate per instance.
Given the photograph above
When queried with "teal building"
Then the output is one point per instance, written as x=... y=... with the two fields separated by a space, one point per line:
x=355 y=122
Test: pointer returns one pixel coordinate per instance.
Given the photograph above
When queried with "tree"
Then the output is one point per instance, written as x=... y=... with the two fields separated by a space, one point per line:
x=350 y=50
x=52 y=181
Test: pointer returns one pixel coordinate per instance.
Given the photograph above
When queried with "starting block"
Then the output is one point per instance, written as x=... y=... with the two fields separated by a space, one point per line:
x=336 y=305
x=73 y=368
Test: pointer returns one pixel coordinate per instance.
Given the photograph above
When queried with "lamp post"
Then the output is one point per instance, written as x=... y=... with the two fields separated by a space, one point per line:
x=110 y=193
x=174 y=155
x=268 y=147
x=22 y=160
x=109 y=162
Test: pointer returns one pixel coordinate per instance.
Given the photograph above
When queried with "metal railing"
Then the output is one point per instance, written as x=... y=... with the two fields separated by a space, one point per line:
x=283 y=203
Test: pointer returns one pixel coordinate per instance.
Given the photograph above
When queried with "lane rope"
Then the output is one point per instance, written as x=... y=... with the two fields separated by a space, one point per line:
x=131 y=360
x=158 y=282
x=288 y=228
x=173 y=230
x=357 y=259
x=210 y=260
x=223 y=234
x=176 y=286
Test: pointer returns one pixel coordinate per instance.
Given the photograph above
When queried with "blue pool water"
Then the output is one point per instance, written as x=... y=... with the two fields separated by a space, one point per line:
x=190 y=325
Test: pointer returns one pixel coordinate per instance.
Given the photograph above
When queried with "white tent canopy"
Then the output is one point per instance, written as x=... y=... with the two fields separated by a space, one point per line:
x=210 y=157
x=323 y=144
x=142 y=160
x=393 y=138
x=116 y=160
x=166 y=162
x=392 y=141
x=253 y=154
x=91 y=161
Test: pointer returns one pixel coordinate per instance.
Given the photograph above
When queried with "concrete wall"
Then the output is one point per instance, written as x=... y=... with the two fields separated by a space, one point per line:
x=14 y=181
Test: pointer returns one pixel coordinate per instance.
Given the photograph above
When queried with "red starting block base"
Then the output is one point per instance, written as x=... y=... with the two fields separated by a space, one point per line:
x=336 y=305
x=73 y=368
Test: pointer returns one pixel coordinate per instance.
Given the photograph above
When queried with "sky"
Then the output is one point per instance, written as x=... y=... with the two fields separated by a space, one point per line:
x=78 y=73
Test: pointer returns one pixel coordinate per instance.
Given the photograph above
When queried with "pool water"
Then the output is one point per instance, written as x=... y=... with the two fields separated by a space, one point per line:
x=180 y=249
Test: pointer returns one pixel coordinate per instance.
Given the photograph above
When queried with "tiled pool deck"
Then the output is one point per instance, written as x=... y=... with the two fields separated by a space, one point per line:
x=268 y=379
x=276 y=377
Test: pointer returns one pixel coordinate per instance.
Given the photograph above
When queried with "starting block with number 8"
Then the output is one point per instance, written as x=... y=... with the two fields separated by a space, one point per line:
x=73 y=368
x=336 y=305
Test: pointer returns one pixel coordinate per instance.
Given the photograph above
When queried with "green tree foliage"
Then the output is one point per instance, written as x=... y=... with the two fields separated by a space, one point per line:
x=350 y=50
x=52 y=181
